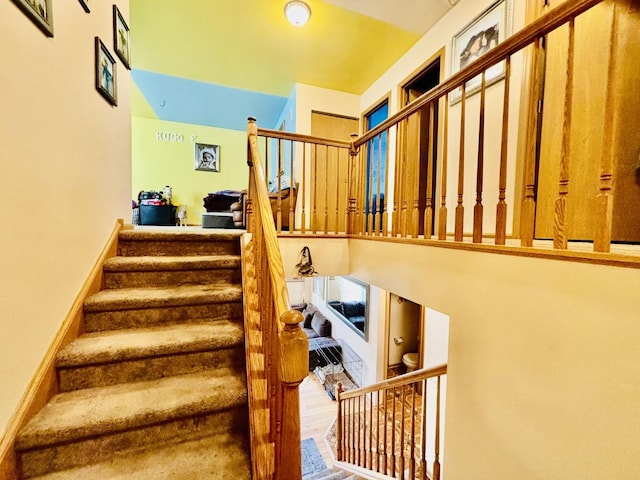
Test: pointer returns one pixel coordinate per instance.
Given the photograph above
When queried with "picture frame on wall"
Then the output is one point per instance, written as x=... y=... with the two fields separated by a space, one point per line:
x=40 y=12
x=479 y=36
x=106 y=79
x=207 y=157
x=85 y=5
x=121 y=38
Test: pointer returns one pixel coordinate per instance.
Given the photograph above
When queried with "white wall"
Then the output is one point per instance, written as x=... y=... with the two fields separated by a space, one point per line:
x=309 y=98
x=543 y=359
x=66 y=176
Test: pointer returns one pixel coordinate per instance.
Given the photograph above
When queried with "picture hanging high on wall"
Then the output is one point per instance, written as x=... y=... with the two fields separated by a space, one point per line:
x=121 y=37
x=105 y=73
x=207 y=157
x=483 y=33
x=85 y=5
x=40 y=12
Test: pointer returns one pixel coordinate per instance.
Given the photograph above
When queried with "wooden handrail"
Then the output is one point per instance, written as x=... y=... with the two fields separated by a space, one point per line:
x=542 y=26
x=283 y=345
x=400 y=381
x=298 y=137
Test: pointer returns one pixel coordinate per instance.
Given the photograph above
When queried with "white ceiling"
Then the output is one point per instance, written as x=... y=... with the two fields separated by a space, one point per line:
x=417 y=16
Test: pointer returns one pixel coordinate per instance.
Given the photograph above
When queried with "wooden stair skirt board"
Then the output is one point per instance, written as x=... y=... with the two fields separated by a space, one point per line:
x=155 y=386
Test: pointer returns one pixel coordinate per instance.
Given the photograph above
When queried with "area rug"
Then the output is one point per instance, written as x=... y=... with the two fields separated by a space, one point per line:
x=312 y=461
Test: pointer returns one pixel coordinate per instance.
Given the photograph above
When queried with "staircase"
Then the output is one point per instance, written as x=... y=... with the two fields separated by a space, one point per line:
x=332 y=474
x=156 y=387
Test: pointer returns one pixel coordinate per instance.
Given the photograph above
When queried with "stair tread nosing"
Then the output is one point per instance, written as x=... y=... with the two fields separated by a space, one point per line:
x=159 y=263
x=217 y=457
x=177 y=236
x=96 y=411
x=135 y=343
x=134 y=298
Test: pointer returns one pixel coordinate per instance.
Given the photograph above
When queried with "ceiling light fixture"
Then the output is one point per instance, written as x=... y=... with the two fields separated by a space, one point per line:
x=297 y=12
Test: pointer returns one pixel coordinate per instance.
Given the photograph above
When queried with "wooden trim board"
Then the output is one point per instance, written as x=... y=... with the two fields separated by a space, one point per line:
x=44 y=384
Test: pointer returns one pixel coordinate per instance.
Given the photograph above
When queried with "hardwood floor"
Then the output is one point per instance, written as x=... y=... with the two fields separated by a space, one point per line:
x=317 y=412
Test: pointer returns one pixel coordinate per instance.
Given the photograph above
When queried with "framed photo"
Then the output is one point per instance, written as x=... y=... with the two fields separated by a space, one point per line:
x=482 y=34
x=207 y=157
x=40 y=13
x=85 y=5
x=121 y=37
x=105 y=73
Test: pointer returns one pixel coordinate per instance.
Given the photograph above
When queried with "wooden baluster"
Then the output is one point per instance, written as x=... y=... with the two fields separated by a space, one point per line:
x=403 y=180
x=412 y=436
x=292 y=179
x=436 y=460
x=392 y=462
x=363 y=190
x=351 y=187
x=402 y=431
x=339 y=414
x=370 y=163
x=459 y=227
x=314 y=183
x=378 y=217
x=428 y=209
x=385 y=205
x=338 y=169
x=385 y=443
x=560 y=236
x=528 y=211
x=478 y=209
x=303 y=187
x=266 y=159
x=395 y=214
x=378 y=406
x=279 y=198
x=423 y=433
x=370 y=447
x=501 y=209
x=326 y=191
x=442 y=214
x=604 y=200
x=293 y=367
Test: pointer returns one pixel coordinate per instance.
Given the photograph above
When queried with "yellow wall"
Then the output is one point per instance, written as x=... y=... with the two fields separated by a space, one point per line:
x=65 y=178
x=163 y=154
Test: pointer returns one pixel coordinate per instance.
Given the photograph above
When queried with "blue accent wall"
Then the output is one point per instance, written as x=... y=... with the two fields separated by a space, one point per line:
x=189 y=101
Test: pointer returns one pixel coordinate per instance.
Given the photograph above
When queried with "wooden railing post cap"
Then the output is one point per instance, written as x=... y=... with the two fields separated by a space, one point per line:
x=291 y=317
x=252 y=126
x=252 y=119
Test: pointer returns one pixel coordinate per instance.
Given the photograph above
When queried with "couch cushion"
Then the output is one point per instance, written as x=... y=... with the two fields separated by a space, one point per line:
x=311 y=333
x=308 y=313
x=299 y=306
x=321 y=325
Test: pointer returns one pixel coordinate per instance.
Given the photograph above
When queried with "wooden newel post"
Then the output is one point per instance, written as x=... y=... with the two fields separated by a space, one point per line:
x=352 y=202
x=294 y=367
x=252 y=137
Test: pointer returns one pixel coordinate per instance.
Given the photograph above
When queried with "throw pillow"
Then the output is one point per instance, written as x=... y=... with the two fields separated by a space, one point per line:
x=321 y=325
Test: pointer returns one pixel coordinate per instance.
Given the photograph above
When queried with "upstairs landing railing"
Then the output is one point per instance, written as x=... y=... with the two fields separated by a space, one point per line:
x=479 y=156
x=277 y=349
x=394 y=427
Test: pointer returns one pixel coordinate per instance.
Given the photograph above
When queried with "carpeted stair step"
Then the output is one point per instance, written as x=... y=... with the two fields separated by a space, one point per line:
x=218 y=457
x=118 y=356
x=91 y=425
x=131 y=272
x=124 y=308
x=136 y=243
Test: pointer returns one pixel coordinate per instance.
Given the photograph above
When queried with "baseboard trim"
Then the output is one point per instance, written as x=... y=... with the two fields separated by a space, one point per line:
x=43 y=384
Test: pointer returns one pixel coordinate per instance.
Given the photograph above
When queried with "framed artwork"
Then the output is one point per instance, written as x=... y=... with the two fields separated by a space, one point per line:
x=85 y=5
x=121 y=37
x=482 y=34
x=105 y=73
x=40 y=13
x=207 y=157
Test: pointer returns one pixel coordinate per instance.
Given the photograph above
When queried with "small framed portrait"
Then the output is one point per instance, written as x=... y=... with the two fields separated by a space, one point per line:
x=483 y=33
x=85 y=5
x=207 y=157
x=40 y=13
x=106 y=81
x=121 y=38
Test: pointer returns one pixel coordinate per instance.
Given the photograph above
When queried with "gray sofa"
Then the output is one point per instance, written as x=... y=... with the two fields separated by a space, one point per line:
x=323 y=349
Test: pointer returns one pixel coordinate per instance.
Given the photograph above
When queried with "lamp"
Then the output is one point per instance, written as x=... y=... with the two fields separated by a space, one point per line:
x=297 y=12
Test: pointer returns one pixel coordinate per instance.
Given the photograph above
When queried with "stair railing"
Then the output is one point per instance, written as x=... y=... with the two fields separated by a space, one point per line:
x=393 y=427
x=277 y=349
